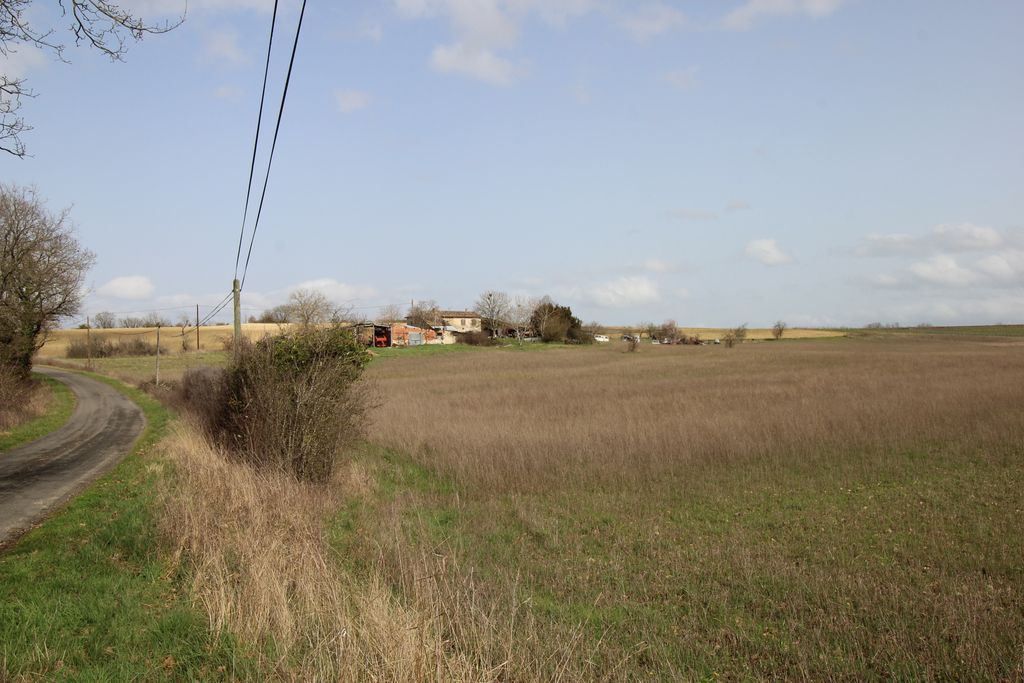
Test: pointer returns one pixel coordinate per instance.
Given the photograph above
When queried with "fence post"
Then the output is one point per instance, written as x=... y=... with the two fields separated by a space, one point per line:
x=158 y=355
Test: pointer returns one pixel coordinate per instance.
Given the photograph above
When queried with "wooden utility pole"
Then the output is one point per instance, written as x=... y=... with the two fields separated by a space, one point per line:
x=237 y=296
x=158 y=355
x=88 y=344
x=197 y=327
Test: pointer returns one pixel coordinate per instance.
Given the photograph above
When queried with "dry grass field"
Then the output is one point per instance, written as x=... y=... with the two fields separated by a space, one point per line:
x=834 y=509
x=753 y=333
x=211 y=338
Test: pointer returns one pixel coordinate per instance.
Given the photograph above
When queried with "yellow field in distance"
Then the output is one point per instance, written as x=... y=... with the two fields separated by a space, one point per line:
x=211 y=338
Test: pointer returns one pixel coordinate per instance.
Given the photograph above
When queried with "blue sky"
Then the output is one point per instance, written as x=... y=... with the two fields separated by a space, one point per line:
x=826 y=162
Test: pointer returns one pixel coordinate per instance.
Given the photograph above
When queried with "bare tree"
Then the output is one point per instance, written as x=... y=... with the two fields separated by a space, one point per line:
x=389 y=314
x=424 y=314
x=104 y=320
x=100 y=24
x=669 y=331
x=648 y=328
x=493 y=308
x=344 y=315
x=42 y=269
x=778 y=329
x=278 y=314
x=309 y=307
x=520 y=313
x=735 y=336
x=155 y=320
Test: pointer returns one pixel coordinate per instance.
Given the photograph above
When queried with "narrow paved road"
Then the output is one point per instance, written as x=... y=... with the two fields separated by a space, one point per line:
x=39 y=476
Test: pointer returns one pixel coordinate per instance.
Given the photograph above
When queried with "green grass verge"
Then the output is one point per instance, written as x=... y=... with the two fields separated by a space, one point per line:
x=62 y=404
x=87 y=595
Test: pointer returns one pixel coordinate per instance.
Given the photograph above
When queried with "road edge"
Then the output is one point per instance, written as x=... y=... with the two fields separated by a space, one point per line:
x=155 y=415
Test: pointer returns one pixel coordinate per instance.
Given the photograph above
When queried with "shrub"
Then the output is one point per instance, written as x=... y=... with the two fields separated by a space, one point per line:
x=735 y=335
x=577 y=335
x=778 y=330
x=290 y=402
x=79 y=348
x=15 y=396
x=476 y=339
x=554 y=323
x=106 y=348
x=203 y=392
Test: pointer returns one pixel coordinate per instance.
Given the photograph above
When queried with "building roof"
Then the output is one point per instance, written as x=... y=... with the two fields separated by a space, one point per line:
x=459 y=314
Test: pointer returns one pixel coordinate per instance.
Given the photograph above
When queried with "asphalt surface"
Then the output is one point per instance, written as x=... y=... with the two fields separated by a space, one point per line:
x=40 y=476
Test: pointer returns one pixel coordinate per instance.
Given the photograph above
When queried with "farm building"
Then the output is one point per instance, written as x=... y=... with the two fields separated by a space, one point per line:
x=400 y=334
x=461 y=321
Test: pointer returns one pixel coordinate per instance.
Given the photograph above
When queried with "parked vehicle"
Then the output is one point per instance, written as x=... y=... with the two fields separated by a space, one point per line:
x=601 y=338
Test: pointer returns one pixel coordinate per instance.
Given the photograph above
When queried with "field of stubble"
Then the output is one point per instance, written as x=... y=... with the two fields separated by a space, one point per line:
x=806 y=509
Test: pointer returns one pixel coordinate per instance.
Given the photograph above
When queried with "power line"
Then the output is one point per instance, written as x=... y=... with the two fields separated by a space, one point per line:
x=273 y=144
x=209 y=316
x=256 y=141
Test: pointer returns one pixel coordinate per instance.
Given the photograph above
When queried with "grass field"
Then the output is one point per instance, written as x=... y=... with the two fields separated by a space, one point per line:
x=844 y=509
x=962 y=330
x=211 y=338
x=800 y=510
x=816 y=509
x=753 y=333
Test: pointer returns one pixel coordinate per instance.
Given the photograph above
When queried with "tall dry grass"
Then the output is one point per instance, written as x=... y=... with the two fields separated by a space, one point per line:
x=525 y=421
x=20 y=401
x=253 y=545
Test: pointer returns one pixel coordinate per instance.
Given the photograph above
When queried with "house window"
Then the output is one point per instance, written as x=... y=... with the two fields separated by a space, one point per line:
x=463 y=322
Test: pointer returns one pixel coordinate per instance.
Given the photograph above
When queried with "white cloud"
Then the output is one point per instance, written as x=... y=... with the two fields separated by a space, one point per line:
x=943 y=269
x=767 y=252
x=657 y=265
x=227 y=92
x=962 y=307
x=130 y=287
x=480 y=23
x=885 y=281
x=652 y=20
x=484 y=29
x=1004 y=267
x=745 y=16
x=148 y=8
x=339 y=292
x=18 y=63
x=475 y=62
x=966 y=236
x=944 y=238
x=558 y=12
x=737 y=205
x=624 y=292
x=223 y=46
x=683 y=79
x=352 y=100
